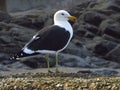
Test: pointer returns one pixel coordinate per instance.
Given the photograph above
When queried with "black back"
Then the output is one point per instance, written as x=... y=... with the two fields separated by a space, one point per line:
x=51 y=38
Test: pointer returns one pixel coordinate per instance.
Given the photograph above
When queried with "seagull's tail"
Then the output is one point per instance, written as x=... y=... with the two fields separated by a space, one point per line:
x=21 y=54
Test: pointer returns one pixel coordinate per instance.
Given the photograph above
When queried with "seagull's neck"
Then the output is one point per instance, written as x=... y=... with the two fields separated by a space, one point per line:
x=66 y=25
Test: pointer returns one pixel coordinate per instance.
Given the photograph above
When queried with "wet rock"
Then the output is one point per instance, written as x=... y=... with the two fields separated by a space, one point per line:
x=104 y=47
x=106 y=72
x=3 y=68
x=114 y=54
x=98 y=62
x=72 y=61
x=85 y=71
x=101 y=72
x=34 y=63
x=18 y=65
x=37 y=62
x=3 y=57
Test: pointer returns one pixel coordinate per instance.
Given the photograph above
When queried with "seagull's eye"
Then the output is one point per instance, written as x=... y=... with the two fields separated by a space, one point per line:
x=62 y=14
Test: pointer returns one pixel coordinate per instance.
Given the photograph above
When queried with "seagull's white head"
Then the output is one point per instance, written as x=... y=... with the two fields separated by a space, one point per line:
x=63 y=15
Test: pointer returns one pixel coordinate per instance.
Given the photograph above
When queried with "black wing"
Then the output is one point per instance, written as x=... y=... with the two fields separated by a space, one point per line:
x=51 y=38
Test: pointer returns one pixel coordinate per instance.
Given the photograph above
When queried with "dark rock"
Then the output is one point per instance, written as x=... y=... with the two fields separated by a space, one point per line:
x=4 y=17
x=89 y=35
x=80 y=32
x=72 y=61
x=116 y=2
x=91 y=43
x=5 y=39
x=114 y=8
x=8 y=61
x=113 y=31
x=110 y=38
x=88 y=27
x=104 y=47
x=116 y=17
x=79 y=8
x=85 y=30
x=106 y=12
x=106 y=72
x=85 y=71
x=92 y=4
x=97 y=62
x=76 y=43
x=4 y=26
x=111 y=28
x=37 y=62
x=108 y=4
x=114 y=54
x=77 y=50
x=3 y=57
x=33 y=63
x=16 y=36
x=28 y=22
x=93 y=17
x=3 y=68
x=82 y=5
x=18 y=65
x=92 y=28
x=35 y=19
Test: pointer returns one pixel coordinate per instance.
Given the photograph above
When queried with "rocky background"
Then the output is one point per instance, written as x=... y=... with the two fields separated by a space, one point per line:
x=95 y=45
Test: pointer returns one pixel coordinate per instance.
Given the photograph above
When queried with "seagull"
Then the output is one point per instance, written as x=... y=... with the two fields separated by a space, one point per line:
x=51 y=39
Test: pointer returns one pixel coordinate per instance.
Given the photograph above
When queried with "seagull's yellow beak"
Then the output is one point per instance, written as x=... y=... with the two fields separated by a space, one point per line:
x=72 y=18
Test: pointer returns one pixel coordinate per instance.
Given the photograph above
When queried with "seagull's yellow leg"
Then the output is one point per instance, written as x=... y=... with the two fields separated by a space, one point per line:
x=56 y=58
x=48 y=63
